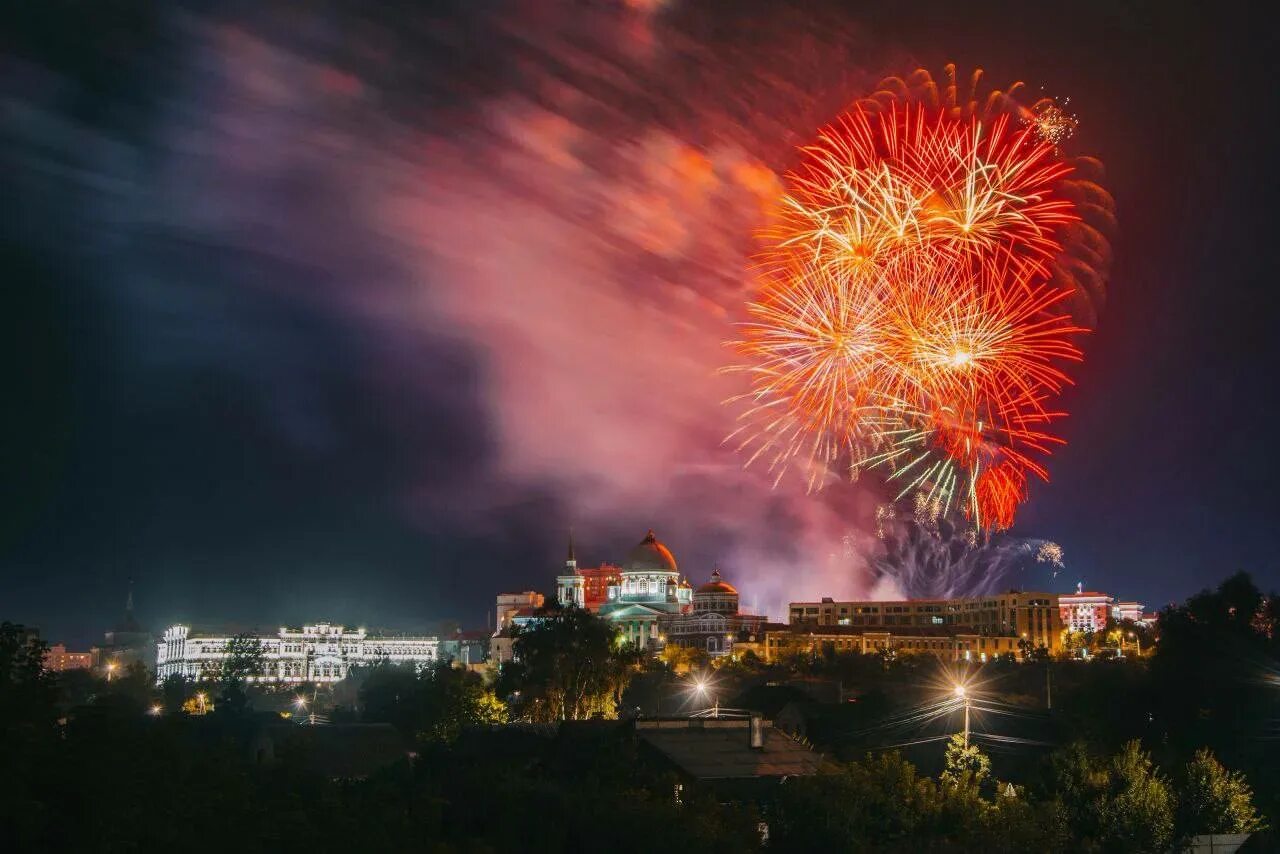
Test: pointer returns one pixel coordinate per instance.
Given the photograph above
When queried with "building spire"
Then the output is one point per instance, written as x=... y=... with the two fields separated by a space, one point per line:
x=571 y=562
x=128 y=602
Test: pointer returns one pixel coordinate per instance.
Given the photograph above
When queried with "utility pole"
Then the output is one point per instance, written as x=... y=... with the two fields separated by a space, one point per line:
x=1048 y=686
x=964 y=696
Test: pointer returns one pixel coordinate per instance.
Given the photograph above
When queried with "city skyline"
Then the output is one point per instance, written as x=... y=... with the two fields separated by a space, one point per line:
x=347 y=414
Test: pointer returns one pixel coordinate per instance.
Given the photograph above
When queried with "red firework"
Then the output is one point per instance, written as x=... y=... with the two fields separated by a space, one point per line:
x=912 y=311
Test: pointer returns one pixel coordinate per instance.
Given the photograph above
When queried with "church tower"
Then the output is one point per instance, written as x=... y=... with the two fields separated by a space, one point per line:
x=570 y=585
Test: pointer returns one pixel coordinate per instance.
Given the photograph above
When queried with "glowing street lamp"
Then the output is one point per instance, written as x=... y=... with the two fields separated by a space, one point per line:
x=1133 y=636
x=111 y=669
x=155 y=710
x=963 y=696
x=702 y=687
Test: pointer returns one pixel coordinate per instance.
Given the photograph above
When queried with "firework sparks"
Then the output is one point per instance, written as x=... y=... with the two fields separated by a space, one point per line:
x=909 y=316
x=938 y=559
x=1051 y=122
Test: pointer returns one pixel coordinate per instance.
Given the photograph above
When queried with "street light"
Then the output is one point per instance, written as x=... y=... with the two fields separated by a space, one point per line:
x=701 y=686
x=1133 y=636
x=156 y=710
x=963 y=696
x=111 y=669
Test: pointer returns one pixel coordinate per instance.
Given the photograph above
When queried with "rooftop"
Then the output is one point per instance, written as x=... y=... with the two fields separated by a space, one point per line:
x=711 y=749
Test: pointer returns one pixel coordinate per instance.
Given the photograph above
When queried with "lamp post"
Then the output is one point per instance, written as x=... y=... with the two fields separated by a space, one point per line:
x=701 y=687
x=964 y=695
x=1133 y=636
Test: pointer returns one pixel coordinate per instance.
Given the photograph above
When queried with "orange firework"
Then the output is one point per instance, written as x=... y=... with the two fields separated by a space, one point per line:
x=877 y=185
x=913 y=314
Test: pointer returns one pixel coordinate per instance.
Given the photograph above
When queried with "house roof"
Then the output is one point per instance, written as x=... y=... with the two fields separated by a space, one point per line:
x=721 y=749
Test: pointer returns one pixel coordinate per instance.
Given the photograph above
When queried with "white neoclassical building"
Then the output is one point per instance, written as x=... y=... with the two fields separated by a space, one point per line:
x=318 y=653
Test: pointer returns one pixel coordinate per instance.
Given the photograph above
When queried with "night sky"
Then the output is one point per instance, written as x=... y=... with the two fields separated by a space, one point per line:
x=326 y=312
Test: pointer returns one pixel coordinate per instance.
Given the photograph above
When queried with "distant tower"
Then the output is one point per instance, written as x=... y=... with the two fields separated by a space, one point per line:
x=570 y=585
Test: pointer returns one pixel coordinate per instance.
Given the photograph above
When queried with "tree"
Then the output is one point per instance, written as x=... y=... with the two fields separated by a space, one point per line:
x=27 y=691
x=390 y=694
x=1075 y=641
x=682 y=659
x=1214 y=800
x=1120 y=804
x=175 y=690
x=966 y=767
x=1138 y=810
x=874 y=804
x=245 y=659
x=572 y=666
x=433 y=705
x=1205 y=685
x=132 y=689
x=454 y=699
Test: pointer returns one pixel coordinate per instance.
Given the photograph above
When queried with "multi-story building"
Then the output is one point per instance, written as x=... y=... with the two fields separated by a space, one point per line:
x=468 y=648
x=950 y=643
x=58 y=659
x=586 y=587
x=714 y=623
x=125 y=644
x=1085 y=610
x=514 y=610
x=317 y=653
x=1131 y=611
x=517 y=609
x=1033 y=617
x=647 y=586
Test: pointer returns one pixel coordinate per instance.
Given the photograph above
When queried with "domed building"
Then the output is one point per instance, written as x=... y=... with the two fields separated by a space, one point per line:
x=647 y=586
x=717 y=596
x=714 y=623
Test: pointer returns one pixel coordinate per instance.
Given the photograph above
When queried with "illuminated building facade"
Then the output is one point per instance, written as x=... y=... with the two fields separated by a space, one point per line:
x=949 y=643
x=1033 y=617
x=714 y=623
x=513 y=611
x=1131 y=611
x=586 y=587
x=646 y=587
x=516 y=609
x=1085 y=610
x=58 y=659
x=317 y=653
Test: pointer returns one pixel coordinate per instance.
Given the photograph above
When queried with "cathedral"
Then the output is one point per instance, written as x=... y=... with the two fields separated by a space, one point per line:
x=651 y=604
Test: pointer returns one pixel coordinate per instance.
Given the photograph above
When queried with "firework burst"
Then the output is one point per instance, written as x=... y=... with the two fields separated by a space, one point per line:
x=912 y=316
